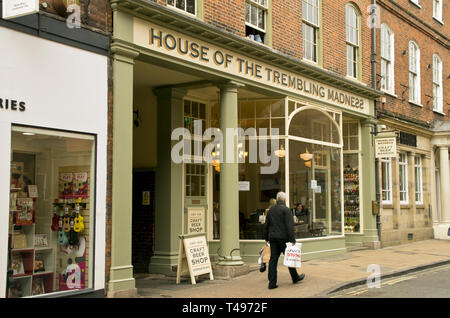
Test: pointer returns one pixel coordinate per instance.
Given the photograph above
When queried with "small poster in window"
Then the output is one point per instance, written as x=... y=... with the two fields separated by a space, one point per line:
x=24 y=215
x=66 y=186
x=80 y=185
x=40 y=240
x=32 y=191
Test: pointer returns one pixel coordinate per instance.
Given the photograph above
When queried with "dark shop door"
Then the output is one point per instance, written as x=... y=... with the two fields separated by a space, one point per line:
x=143 y=219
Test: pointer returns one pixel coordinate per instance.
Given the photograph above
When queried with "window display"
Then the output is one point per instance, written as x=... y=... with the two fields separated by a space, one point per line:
x=352 y=221
x=351 y=194
x=50 y=211
x=309 y=159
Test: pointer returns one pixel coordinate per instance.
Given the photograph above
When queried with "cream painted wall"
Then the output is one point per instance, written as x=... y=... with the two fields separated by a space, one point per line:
x=144 y=136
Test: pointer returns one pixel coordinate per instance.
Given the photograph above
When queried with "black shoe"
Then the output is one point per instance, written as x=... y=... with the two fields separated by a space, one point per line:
x=262 y=268
x=299 y=278
x=273 y=286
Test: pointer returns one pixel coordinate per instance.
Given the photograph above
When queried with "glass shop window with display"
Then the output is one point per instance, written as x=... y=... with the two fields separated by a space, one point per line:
x=351 y=177
x=51 y=210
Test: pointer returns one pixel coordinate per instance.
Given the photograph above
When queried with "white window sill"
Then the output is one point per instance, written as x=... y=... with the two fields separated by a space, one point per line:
x=439 y=112
x=415 y=103
x=392 y=94
x=416 y=4
x=192 y=15
x=354 y=79
x=439 y=20
x=310 y=62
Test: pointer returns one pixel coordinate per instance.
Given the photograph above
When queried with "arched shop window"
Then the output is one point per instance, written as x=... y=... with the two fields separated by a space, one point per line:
x=315 y=164
x=309 y=157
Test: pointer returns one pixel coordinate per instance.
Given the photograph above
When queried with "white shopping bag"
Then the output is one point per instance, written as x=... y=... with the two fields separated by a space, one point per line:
x=293 y=255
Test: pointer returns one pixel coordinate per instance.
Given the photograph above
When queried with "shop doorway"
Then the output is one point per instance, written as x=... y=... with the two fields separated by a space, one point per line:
x=143 y=219
x=196 y=199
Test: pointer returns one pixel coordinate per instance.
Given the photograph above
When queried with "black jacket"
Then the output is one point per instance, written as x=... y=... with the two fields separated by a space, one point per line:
x=279 y=224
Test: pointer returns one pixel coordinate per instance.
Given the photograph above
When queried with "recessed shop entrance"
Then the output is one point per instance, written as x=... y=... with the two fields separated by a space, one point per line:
x=166 y=98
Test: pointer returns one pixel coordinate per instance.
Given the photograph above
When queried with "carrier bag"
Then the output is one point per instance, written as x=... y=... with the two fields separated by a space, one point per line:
x=293 y=255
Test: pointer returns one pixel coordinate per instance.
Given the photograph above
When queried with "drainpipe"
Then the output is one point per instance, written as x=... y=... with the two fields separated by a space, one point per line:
x=374 y=86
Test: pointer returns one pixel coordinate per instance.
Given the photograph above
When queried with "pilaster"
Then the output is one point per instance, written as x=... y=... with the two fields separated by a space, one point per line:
x=121 y=281
x=169 y=182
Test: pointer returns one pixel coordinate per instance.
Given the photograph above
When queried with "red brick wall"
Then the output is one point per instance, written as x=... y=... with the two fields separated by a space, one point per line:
x=334 y=45
x=228 y=15
x=405 y=29
x=287 y=27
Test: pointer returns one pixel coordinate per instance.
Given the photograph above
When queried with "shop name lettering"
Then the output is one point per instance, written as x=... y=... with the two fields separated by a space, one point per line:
x=196 y=225
x=12 y=104
x=257 y=71
x=198 y=256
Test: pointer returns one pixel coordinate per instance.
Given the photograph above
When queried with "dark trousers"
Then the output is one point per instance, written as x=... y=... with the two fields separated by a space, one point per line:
x=276 y=248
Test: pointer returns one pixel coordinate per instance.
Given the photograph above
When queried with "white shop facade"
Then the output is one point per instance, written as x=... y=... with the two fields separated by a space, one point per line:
x=53 y=135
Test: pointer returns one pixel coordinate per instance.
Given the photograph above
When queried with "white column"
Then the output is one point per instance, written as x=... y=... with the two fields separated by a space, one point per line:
x=445 y=183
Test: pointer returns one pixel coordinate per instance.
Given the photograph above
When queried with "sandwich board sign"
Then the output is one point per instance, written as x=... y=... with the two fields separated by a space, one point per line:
x=193 y=257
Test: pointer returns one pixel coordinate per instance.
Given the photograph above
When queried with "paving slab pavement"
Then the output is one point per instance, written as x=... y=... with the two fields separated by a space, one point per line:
x=323 y=275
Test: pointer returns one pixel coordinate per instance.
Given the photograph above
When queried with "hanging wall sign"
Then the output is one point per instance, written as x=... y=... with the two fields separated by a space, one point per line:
x=18 y=8
x=386 y=147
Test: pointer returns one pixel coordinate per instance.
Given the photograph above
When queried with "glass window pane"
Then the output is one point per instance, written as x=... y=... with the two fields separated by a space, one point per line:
x=41 y=214
x=247 y=12
x=253 y=15
x=190 y=6
x=262 y=109
x=180 y=4
x=187 y=108
x=261 y=19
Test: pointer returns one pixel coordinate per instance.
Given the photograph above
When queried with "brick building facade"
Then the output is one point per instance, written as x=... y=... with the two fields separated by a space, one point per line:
x=413 y=40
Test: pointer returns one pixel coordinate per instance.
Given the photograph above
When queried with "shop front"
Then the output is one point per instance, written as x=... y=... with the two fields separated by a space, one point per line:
x=225 y=124
x=53 y=105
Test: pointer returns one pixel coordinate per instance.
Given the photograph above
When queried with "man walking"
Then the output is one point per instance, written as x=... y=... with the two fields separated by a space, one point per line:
x=279 y=230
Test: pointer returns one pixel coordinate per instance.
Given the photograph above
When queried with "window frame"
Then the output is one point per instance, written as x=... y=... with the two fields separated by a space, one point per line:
x=265 y=9
x=437 y=10
x=315 y=28
x=414 y=73
x=403 y=177
x=418 y=167
x=353 y=49
x=386 y=162
x=174 y=6
x=92 y=241
x=438 y=100
x=387 y=39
